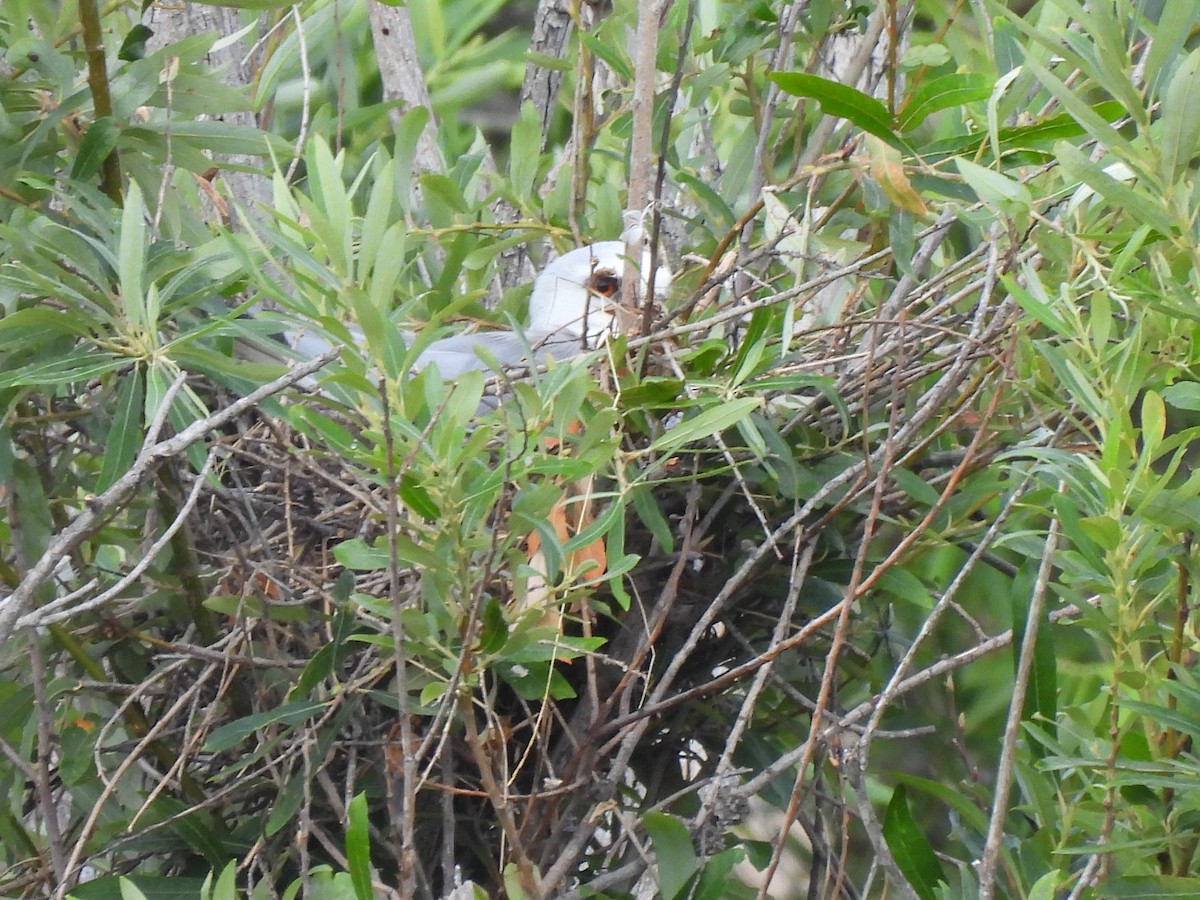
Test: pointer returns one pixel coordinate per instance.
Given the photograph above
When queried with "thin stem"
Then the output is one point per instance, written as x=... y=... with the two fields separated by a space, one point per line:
x=93 y=42
x=1004 y=777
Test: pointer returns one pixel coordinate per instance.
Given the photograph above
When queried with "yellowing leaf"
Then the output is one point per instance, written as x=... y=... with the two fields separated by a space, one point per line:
x=887 y=168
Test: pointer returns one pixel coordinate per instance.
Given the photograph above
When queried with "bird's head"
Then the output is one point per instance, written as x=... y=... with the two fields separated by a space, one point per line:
x=575 y=295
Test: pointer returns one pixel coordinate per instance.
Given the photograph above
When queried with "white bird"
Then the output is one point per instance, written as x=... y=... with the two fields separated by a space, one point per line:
x=571 y=310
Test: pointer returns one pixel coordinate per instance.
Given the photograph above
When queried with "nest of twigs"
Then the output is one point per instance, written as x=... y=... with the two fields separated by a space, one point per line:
x=752 y=581
x=258 y=681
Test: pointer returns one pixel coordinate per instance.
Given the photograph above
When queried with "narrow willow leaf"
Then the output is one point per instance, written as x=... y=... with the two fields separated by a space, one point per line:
x=125 y=434
x=1180 y=122
x=79 y=365
x=956 y=89
x=226 y=886
x=230 y=735
x=210 y=135
x=1154 y=422
x=248 y=4
x=553 y=63
x=358 y=848
x=911 y=849
x=1151 y=887
x=651 y=516
x=844 y=102
x=1116 y=191
x=444 y=191
x=1041 y=697
x=1183 y=395
x=996 y=189
x=375 y=222
x=607 y=51
x=494 y=633
x=714 y=881
x=526 y=151
x=99 y=141
x=674 y=854
x=417 y=498
x=1035 y=302
x=1175 y=25
x=711 y=421
x=1079 y=109
x=131 y=259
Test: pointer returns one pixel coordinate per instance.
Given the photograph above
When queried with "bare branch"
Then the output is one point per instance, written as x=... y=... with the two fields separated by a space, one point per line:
x=151 y=455
x=400 y=70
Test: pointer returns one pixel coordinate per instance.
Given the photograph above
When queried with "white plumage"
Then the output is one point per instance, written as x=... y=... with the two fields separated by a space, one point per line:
x=571 y=310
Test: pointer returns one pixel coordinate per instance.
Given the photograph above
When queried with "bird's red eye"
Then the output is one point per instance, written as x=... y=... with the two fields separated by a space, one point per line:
x=605 y=284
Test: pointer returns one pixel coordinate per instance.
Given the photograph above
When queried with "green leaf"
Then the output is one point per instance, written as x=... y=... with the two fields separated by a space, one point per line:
x=97 y=143
x=248 y=4
x=1183 y=395
x=1045 y=887
x=675 y=856
x=1151 y=887
x=1138 y=205
x=133 y=47
x=131 y=259
x=358 y=848
x=38 y=324
x=230 y=735
x=553 y=63
x=948 y=91
x=651 y=392
x=714 y=881
x=78 y=365
x=154 y=887
x=904 y=585
x=525 y=151
x=1090 y=117
x=1154 y=422
x=285 y=805
x=1041 y=698
x=606 y=50
x=844 y=102
x=418 y=499
x=535 y=680
x=1179 y=126
x=780 y=460
x=376 y=222
x=226 y=886
x=925 y=55
x=996 y=190
x=1164 y=717
x=129 y=891
x=915 y=486
x=646 y=507
x=1038 y=305
x=711 y=421
x=495 y=627
x=914 y=855
x=356 y=554
x=205 y=134
x=1172 y=32
x=445 y=191
x=125 y=434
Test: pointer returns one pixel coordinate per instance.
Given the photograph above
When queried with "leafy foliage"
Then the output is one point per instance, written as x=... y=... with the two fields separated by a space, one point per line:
x=906 y=456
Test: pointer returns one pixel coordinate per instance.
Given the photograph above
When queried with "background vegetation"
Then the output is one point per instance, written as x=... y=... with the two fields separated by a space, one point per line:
x=863 y=566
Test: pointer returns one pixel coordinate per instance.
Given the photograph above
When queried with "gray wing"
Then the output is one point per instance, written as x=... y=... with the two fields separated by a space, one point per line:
x=467 y=352
x=452 y=355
